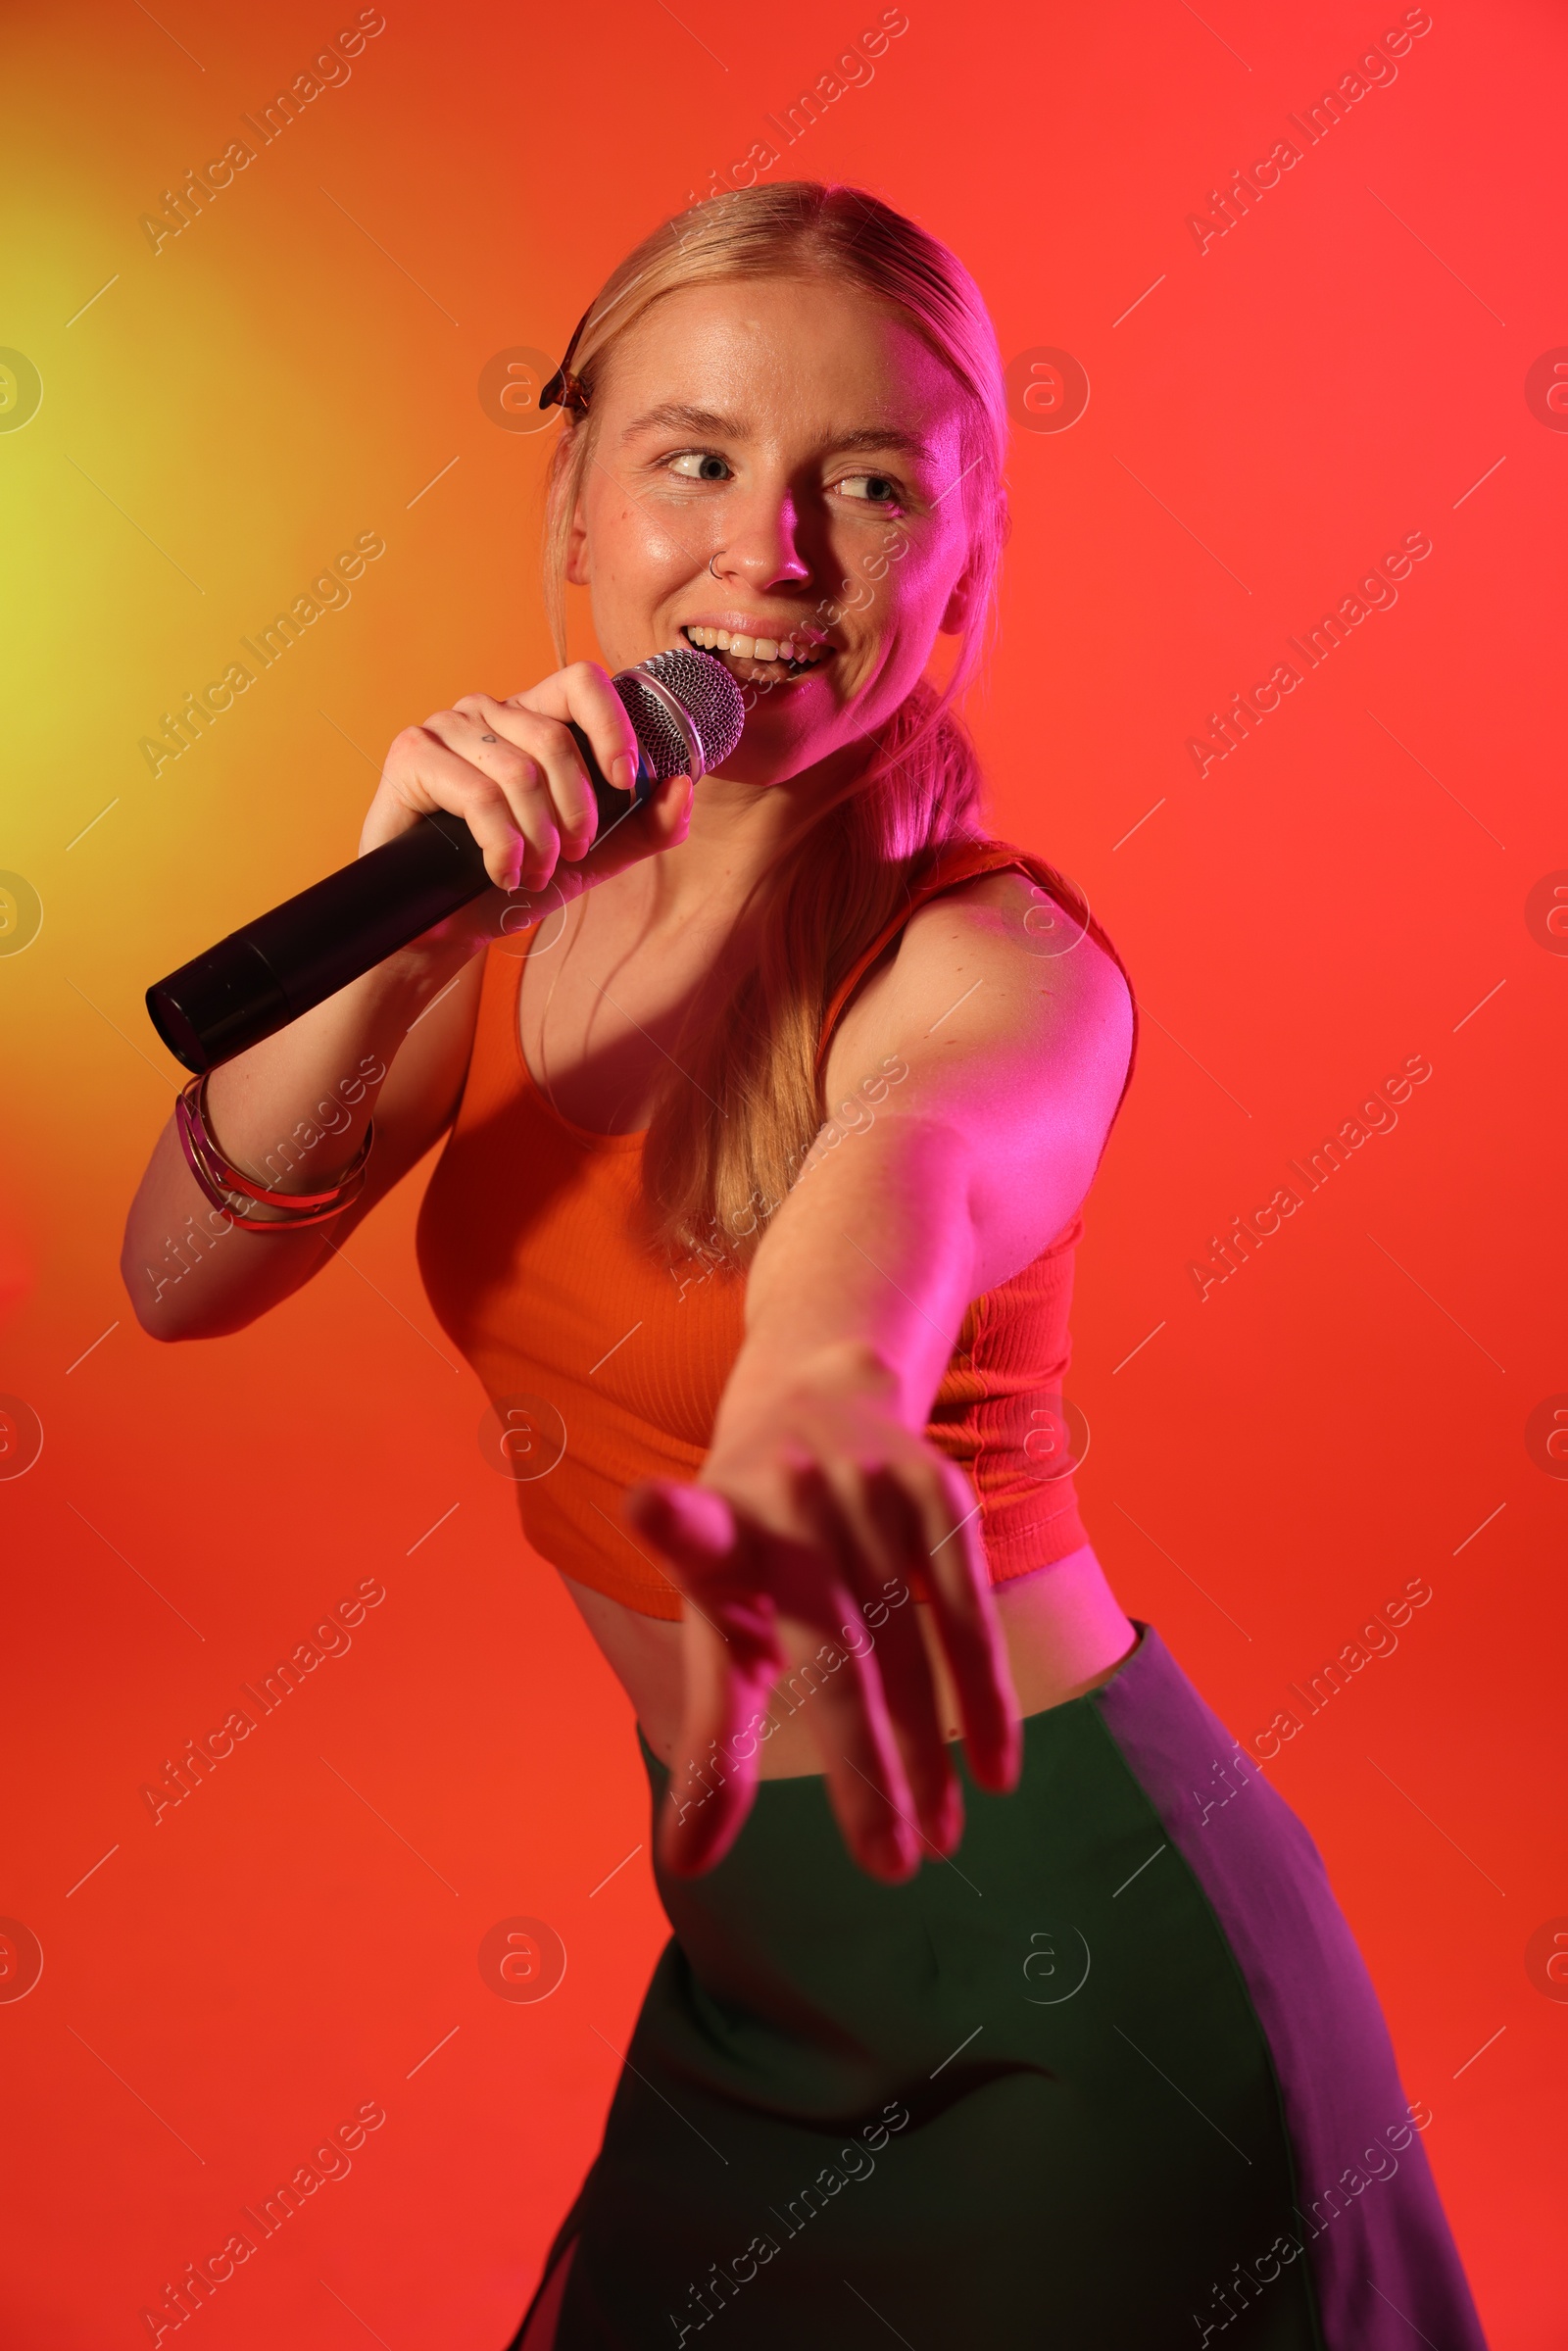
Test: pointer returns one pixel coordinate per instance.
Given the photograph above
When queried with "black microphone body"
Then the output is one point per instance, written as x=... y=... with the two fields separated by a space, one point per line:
x=687 y=713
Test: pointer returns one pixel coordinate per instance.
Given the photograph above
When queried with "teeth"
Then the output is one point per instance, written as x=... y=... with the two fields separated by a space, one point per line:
x=758 y=649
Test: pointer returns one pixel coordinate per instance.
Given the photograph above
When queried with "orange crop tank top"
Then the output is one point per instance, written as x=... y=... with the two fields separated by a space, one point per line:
x=604 y=1364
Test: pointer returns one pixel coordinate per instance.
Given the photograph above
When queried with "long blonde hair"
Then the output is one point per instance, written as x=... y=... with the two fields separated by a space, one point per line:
x=734 y=1121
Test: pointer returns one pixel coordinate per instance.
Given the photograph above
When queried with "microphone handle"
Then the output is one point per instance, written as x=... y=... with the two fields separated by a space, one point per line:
x=266 y=974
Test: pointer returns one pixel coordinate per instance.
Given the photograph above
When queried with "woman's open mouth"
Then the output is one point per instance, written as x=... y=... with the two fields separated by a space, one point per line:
x=756 y=660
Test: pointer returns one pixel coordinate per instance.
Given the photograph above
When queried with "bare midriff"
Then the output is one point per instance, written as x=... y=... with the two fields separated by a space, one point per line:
x=1064 y=1633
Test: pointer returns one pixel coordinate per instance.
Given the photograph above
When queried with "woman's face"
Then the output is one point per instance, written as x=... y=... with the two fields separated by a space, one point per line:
x=798 y=434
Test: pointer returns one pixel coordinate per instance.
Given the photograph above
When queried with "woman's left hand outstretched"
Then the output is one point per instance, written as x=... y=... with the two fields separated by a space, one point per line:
x=793 y=1550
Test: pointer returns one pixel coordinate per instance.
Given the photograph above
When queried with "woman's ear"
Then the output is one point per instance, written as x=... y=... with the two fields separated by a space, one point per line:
x=577 y=549
x=577 y=535
x=959 y=604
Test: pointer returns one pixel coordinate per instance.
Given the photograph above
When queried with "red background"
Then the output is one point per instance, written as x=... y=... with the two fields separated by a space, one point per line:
x=1343 y=891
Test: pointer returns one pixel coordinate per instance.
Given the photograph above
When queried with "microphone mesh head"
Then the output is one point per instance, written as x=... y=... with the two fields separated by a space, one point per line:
x=706 y=692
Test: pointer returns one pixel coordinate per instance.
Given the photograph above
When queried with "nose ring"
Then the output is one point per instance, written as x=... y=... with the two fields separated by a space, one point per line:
x=712 y=573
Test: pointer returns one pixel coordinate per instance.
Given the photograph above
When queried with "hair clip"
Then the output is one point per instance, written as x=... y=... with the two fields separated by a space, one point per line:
x=573 y=396
x=565 y=390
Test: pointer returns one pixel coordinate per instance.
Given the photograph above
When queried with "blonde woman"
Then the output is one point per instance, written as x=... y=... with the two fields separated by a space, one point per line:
x=769 y=1120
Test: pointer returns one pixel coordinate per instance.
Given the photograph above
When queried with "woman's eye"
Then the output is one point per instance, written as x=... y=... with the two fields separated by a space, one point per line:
x=872 y=489
x=708 y=466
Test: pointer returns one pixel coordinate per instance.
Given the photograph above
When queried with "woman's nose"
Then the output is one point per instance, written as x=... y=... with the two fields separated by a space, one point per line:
x=762 y=545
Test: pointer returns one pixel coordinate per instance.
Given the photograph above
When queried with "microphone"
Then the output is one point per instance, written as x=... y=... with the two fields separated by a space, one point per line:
x=687 y=713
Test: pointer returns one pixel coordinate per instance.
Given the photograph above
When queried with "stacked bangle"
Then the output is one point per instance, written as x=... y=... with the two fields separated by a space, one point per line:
x=220 y=1180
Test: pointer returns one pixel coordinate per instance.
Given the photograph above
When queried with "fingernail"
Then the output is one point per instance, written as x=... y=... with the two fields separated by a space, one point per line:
x=946 y=1826
x=623 y=771
x=895 y=1851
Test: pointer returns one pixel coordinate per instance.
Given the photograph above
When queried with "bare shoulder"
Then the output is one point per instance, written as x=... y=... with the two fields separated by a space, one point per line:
x=996 y=974
x=1027 y=953
x=1002 y=1019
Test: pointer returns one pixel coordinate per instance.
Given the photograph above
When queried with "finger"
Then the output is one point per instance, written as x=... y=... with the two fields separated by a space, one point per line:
x=538 y=766
x=424 y=773
x=731 y=1656
x=583 y=692
x=694 y=1526
x=867 y=1785
x=521 y=783
x=905 y=1665
x=715 y=1769
x=967 y=1625
x=661 y=821
x=710 y=1553
x=883 y=1526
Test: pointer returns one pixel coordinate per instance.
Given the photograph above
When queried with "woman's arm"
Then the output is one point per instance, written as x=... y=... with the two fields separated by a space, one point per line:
x=293 y=1110
x=820 y=1485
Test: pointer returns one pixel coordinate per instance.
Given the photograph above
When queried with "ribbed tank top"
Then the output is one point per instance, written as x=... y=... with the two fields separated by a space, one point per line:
x=604 y=1364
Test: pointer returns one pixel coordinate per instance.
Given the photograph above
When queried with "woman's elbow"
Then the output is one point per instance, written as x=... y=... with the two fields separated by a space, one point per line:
x=154 y=1294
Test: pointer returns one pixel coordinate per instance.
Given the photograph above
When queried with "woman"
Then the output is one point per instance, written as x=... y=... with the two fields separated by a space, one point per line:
x=983 y=2021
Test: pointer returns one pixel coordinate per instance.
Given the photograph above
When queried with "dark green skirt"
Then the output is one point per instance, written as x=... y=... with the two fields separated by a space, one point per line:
x=1113 y=2077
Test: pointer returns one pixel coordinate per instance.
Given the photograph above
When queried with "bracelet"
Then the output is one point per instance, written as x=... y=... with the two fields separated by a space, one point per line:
x=219 y=1180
